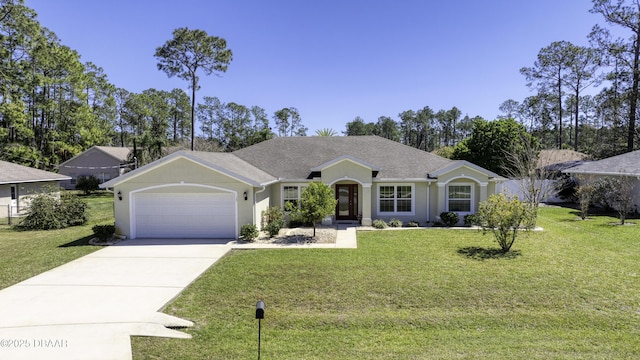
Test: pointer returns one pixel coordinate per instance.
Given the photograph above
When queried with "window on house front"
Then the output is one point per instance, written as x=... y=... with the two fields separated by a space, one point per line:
x=291 y=195
x=459 y=198
x=104 y=177
x=395 y=199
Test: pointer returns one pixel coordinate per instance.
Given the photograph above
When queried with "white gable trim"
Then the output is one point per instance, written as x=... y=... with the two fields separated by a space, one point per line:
x=464 y=163
x=169 y=159
x=345 y=158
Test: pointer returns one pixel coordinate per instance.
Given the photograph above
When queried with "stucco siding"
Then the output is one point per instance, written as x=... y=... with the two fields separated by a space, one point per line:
x=263 y=199
x=344 y=170
x=180 y=176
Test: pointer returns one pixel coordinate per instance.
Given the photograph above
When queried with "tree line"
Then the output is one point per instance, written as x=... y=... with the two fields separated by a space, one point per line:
x=566 y=110
x=53 y=106
x=562 y=113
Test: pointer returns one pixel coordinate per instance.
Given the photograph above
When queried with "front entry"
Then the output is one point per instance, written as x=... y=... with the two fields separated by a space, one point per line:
x=347 y=206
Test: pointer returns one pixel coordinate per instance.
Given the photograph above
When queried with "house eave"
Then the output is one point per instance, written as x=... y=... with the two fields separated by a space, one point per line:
x=33 y=181
x=603 y=173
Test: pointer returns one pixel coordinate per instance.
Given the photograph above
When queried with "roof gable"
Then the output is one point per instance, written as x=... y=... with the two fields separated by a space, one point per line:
x=11 y=173
x=463 y=163
x=120 y=154
x=224 y=163
x=345 y=158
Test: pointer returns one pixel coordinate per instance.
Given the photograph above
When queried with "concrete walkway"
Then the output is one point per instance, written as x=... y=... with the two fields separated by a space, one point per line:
x=90 y=307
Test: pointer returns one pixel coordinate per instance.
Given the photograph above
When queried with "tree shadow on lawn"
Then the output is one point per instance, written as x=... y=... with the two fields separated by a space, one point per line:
x=80 y=242
x=480 y=253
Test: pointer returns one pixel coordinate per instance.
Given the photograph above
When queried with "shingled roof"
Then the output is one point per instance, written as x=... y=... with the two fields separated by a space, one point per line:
x=11 y=173
x=225 y=163
x=119 y=153
x=624 y=164
x=295 y=157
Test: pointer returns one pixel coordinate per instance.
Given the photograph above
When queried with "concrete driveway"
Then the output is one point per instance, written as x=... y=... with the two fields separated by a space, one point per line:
x=89 y=308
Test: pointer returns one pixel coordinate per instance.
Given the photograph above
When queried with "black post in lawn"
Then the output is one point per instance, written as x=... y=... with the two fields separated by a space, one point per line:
x=259 y=316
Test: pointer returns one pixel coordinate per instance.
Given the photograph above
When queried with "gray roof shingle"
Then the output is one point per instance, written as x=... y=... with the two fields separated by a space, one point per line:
x=11 y=173
x=231 y=164
x=624 y=164
x=120 y=153
x=295 y=157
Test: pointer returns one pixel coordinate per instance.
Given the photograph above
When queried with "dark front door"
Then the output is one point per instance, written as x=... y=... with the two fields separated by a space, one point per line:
x=347 y=207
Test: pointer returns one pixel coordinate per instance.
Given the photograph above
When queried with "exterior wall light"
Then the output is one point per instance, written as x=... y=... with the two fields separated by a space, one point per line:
x=119 y=195
x=245 y=196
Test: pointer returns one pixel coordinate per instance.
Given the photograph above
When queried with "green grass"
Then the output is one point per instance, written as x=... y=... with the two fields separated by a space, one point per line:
x=24 y=254
x=570 y=292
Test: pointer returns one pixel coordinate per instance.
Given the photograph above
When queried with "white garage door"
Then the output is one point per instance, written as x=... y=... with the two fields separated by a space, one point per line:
x=187 y=215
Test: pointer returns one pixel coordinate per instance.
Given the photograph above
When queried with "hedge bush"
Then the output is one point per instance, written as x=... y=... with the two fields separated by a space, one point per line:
x=249 y=232
x=395 y=223
x=103 y=232
x=273 y=220
x=47 y=212
x=412 y=224
x=379 y=224
x=88 y=184
x=449 y=218
x=471 y=219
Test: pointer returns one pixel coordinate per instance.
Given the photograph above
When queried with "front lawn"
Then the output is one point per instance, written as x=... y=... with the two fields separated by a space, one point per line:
x=24 y=254
x=571 y=292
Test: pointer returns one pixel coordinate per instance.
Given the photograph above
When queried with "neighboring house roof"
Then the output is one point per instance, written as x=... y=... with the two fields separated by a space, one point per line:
x=11 y=173
x=557 y=156
x=225 y=163
x=118 y=153
x=624 y=164
x=294 y=158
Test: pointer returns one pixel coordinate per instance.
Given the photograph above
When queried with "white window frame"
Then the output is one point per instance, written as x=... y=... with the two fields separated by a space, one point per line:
x=395 y=200
x=299 y=187
x=471 y=199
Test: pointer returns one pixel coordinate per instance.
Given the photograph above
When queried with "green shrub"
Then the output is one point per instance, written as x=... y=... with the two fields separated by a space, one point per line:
x=379 y=224
x=273 y=228
x=471 y=219
x=103 y=232
x=47 y=212
x=249 y=232
x=412 y=224
x=273 y=220
x=43 y=214
x=88 y=184
x=74 y=210
x=395 y=223
x=449 y=218
x=504 y=216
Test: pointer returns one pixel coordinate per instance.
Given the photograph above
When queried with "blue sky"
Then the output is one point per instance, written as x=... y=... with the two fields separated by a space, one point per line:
x=332 y=60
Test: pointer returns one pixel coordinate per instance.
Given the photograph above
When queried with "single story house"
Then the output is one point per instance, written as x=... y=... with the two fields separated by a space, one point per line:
x=211 y=195
x=103 y=162
x=627 y=164
x=18 y=182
